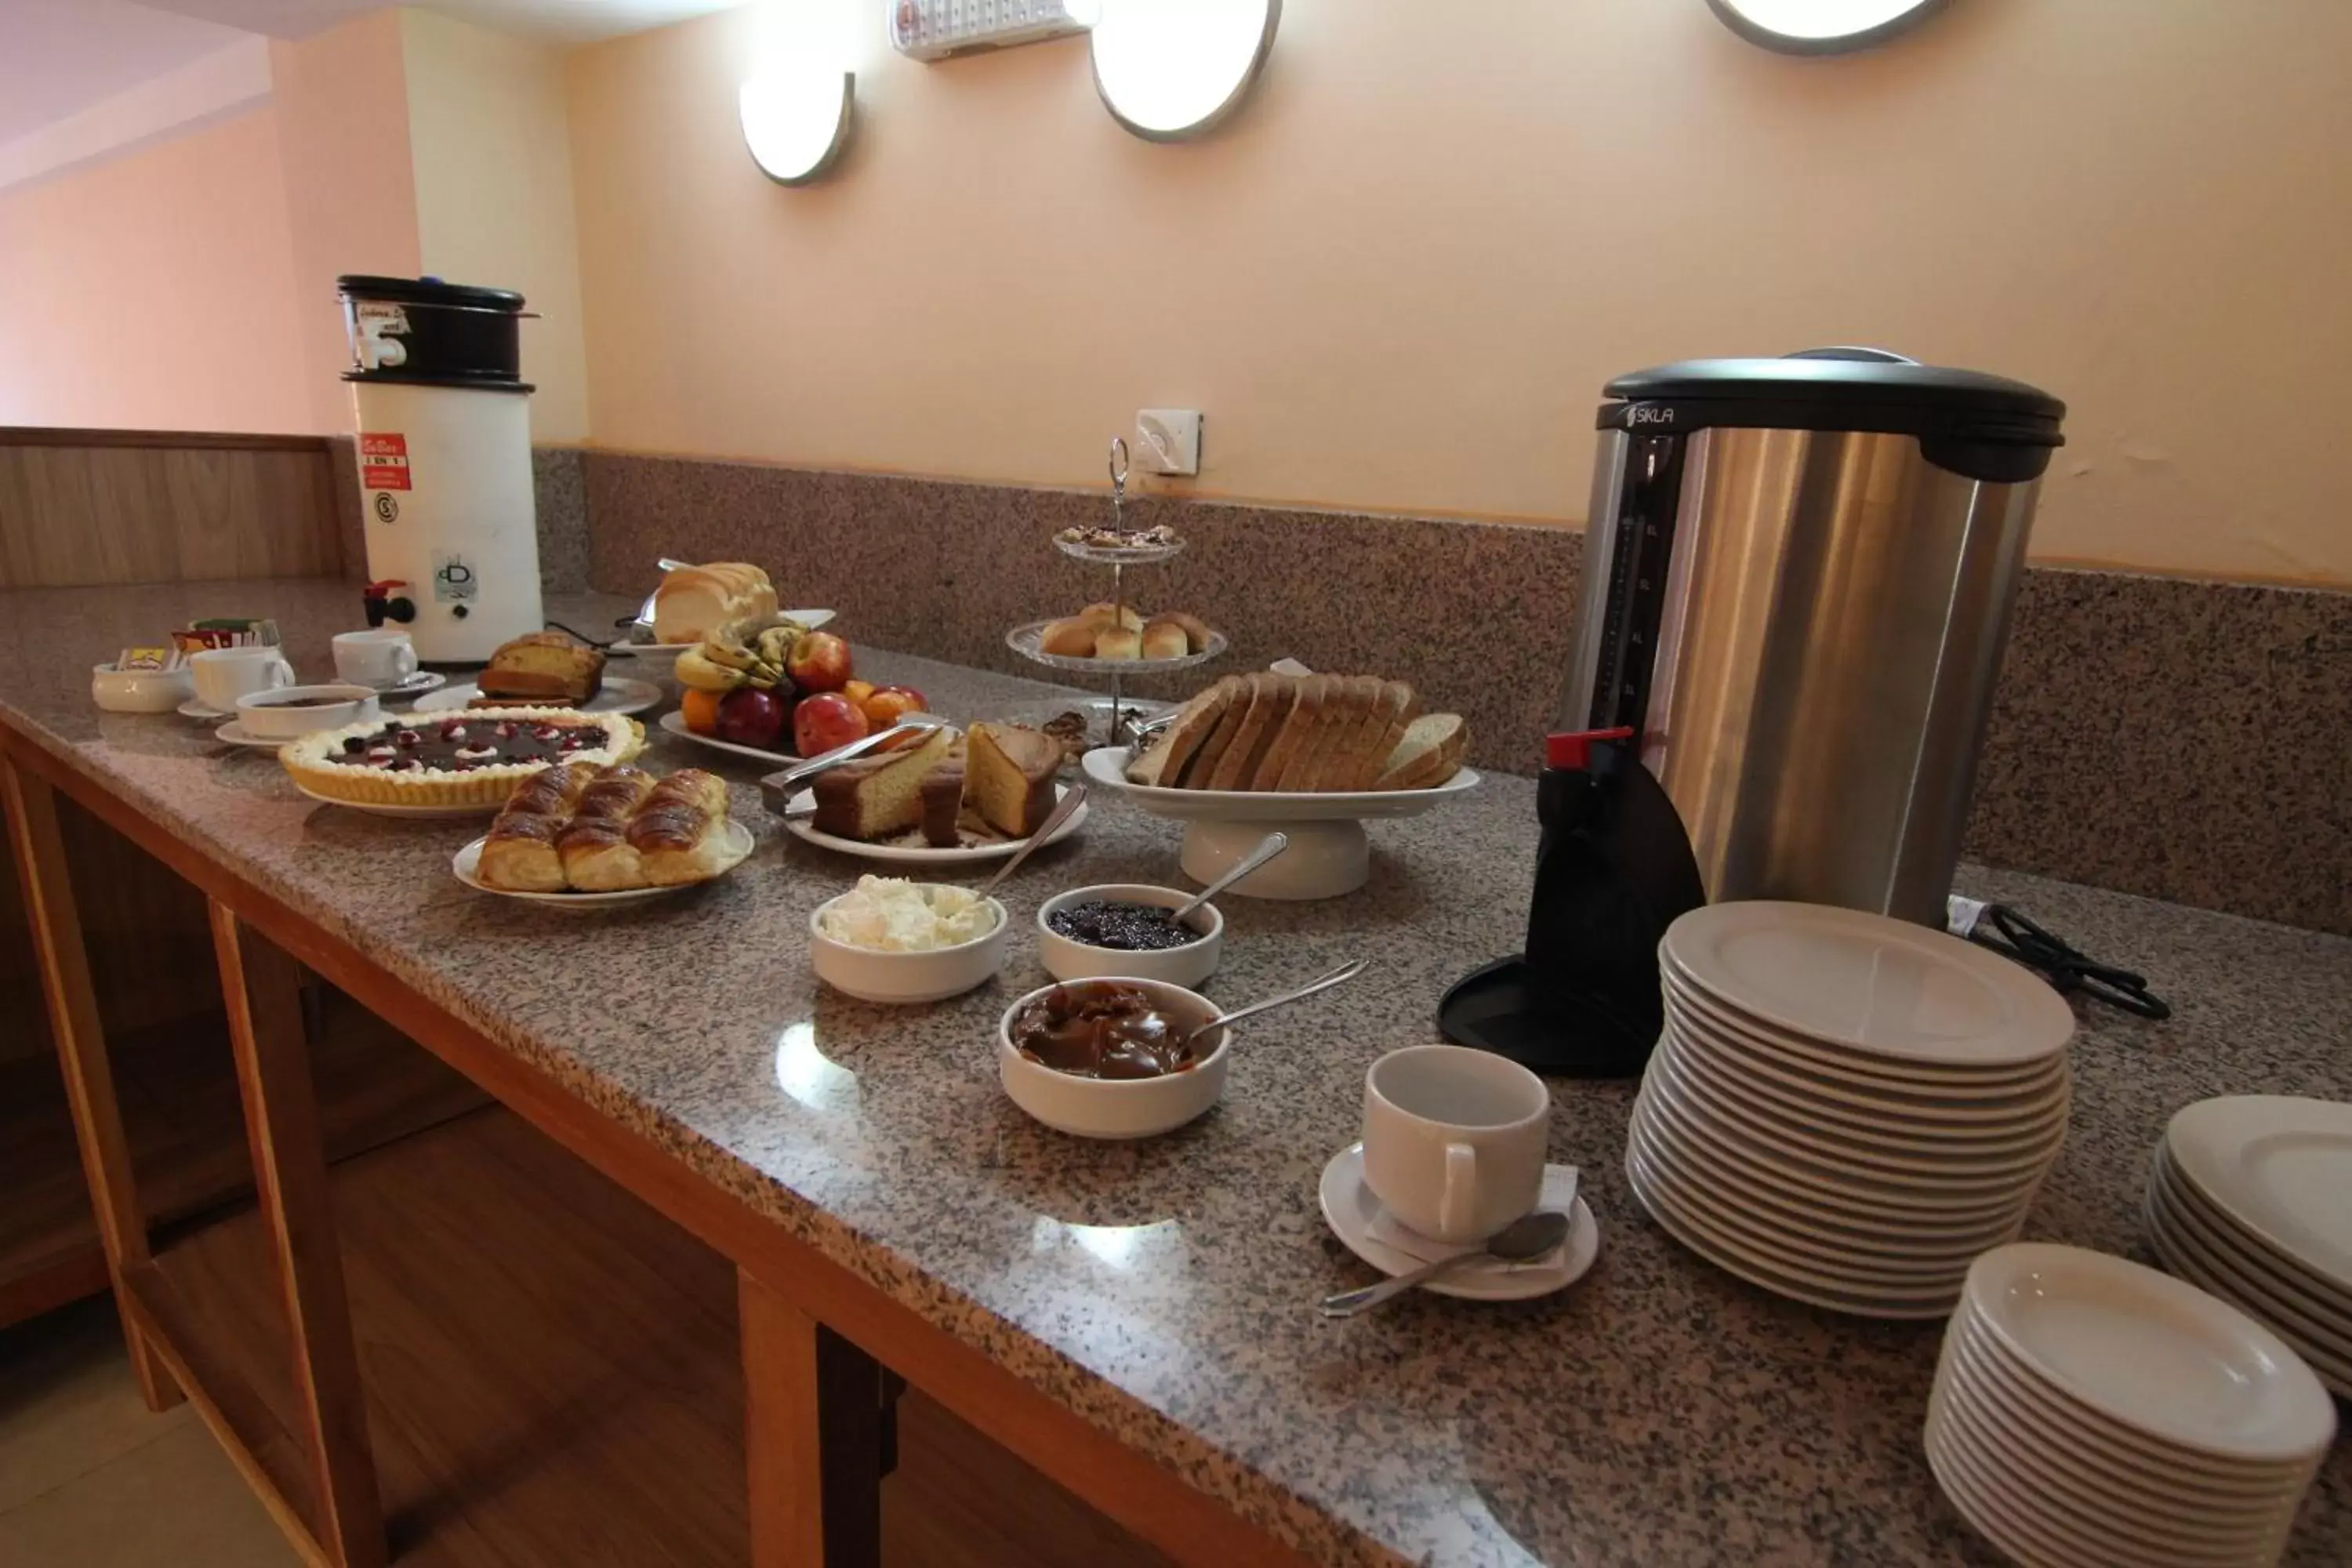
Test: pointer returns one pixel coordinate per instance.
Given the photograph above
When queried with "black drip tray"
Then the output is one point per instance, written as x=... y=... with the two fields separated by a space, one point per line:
x=1493 y=1009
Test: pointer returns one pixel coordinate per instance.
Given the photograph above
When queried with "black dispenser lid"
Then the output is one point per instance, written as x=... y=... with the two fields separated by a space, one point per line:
x=1986 y=426
x=427 y=291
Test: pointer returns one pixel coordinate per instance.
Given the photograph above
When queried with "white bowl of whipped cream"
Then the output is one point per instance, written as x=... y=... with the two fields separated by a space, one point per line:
x=894 y=941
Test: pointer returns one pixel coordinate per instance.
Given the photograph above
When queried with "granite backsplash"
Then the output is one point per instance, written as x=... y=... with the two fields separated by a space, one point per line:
x=2190 y=740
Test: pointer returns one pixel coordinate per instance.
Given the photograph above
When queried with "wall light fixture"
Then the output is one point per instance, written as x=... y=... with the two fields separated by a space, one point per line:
x=1822 y=26
x=1173 y=69
x=796 y=119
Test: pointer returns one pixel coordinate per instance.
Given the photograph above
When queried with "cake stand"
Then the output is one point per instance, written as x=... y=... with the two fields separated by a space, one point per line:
x=1027 y=641
x=1329 y=853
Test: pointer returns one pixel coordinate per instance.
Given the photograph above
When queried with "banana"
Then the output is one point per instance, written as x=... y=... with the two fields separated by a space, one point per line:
x=776 y=644
x=725 y=651
x=703 y=674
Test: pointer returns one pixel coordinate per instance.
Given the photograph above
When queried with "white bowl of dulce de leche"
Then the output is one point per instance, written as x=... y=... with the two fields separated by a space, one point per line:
x=1098 y=1058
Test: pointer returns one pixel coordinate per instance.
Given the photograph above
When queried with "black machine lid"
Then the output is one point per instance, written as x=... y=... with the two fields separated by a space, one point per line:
x=427 y=291
x=1986 y=426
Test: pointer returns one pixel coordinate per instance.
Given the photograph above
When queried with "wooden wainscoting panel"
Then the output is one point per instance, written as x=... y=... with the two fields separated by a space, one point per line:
x=77 y=515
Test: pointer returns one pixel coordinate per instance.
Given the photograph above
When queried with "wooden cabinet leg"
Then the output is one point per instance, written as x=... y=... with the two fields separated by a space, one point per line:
x=49 y=909
x=262 y=987
x=813 y=1429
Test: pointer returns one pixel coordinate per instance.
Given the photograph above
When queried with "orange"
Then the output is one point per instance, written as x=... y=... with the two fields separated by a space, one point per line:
x=700 y=710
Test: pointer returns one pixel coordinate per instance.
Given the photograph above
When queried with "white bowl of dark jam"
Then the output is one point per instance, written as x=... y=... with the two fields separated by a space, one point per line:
x=1101 y=1058
x=1123 y=928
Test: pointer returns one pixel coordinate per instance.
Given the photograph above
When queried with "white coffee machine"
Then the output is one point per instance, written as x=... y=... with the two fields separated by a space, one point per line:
x=445 y=462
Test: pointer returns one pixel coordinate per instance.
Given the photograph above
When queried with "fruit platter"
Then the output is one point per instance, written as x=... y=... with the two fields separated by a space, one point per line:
x=771 y=688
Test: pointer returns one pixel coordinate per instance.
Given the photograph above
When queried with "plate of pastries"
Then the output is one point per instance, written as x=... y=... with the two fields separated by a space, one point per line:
x=593 y=834
x=545 y=669
x=973 y=795
x=1308 y=745
x=1106 y=633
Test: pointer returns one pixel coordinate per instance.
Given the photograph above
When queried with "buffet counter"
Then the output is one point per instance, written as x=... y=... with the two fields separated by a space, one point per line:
x=1137 y=1321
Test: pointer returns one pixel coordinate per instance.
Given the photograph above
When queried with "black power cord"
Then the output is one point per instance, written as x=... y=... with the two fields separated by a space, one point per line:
x=2067 y=968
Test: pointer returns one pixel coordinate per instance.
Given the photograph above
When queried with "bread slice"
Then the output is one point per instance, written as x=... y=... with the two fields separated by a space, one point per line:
x=1430 y=753
x=1147 y=768
x=1203 y=765
x=1271 y=699
x=1397 y=707
x=1193 y=726
x=1009 y=773
x=1335 y=761
x=1286 y=759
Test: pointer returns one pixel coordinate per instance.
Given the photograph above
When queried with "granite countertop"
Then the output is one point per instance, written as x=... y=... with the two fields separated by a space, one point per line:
x=1659 y=1412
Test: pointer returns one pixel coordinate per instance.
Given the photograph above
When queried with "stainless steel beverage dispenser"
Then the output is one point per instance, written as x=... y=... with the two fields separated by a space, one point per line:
x=1798 y=580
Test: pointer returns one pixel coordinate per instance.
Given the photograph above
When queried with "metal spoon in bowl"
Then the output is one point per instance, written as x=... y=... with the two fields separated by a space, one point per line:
x=1063 y=809
x=1526 y=1238
x=1346 y=971
x=1272 y=844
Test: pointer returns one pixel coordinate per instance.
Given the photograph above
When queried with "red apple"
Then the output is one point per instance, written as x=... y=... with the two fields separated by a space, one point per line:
x=825 y=720
x=819 y=662
x=751 y=717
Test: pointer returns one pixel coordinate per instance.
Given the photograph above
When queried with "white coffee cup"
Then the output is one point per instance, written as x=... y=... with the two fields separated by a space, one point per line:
x=379 y=658
x=224 y=674
x=1454 y=1139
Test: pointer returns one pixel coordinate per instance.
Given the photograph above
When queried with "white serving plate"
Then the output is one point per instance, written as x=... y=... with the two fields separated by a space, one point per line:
x=419 y=813
x=1776 y=1276
x=2152 y=1354
x=2281 y=1167
x=2193 y=1216
x=1895 y=1150
x=621 y=694
x=1834 y=1105
x=416 y=684
x=466 y=863
x=1837 y=1090
x=1870 y=983
x=674 y=723
x=1329 y=855
x=1353 y=1213
x=234 y=733
x=2185 y=1258
x=798 y=810
x=813 y=619
x=2000 y=1392
x=1922 y=1079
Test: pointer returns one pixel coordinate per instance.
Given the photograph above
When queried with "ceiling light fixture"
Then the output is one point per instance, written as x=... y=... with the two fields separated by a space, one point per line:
x=1173 y=69
x=1822 y=26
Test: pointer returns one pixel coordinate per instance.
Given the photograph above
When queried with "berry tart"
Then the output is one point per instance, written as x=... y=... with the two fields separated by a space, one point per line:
x=467 y=759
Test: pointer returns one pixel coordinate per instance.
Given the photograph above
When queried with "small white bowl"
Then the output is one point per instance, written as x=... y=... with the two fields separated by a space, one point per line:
x=877 y=974
x=292 y=711
x=1187 y=965
x=141 y=691
x=1117 y=1108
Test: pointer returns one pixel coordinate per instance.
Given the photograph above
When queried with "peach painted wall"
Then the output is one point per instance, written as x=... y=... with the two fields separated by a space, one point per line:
x=1399 y=280
x=154 y=289
x=343 y=99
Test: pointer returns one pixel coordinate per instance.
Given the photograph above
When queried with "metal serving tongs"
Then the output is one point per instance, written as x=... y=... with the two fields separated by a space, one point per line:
x=800 y=774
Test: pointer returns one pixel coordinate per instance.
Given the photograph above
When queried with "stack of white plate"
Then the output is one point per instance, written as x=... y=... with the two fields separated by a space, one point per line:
x=1844 y=1107
x=2251 y=1198
x=2089 y=1411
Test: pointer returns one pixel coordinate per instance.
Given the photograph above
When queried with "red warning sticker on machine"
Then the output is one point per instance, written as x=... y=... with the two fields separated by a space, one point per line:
x=383 y=462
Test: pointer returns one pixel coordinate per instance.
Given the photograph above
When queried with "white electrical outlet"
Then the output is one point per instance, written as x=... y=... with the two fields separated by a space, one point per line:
x=1168 y=441
x=935 y=29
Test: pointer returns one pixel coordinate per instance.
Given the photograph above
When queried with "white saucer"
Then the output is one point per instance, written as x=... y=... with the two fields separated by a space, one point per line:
x=237 y=734
x=466 y=864
x=802 y=806
x=197 y=708
x=620 y=694
x=1356 y=1217
x=416 y=685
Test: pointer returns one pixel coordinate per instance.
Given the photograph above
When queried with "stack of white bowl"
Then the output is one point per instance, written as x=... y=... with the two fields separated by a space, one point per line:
x=1844 y=1107
x=2251 y=1198
x=2089 y=1411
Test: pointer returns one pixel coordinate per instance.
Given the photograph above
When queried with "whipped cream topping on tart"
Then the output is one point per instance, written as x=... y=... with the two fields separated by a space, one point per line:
x=473 y=757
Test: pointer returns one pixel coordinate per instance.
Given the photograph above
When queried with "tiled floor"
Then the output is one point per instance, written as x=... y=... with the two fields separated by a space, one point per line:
x=90 y=1478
